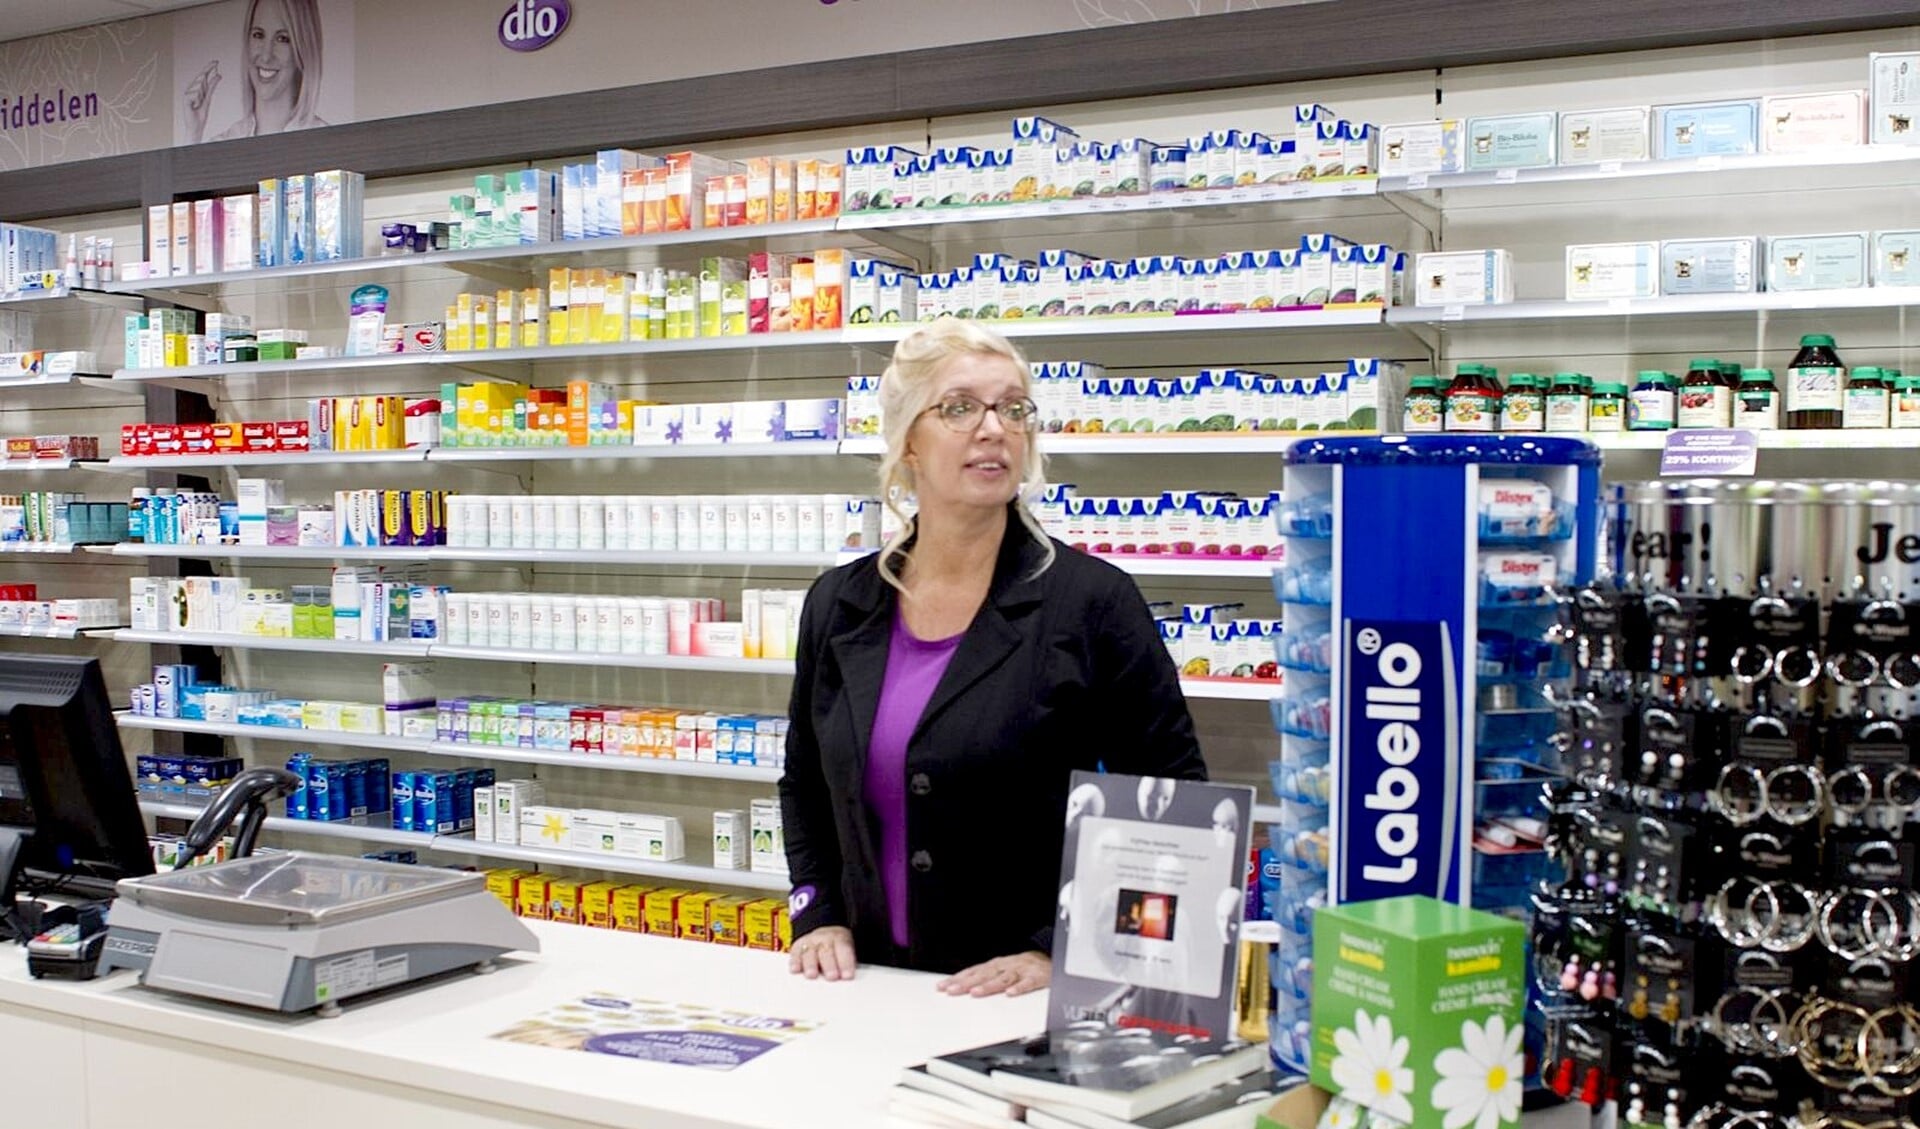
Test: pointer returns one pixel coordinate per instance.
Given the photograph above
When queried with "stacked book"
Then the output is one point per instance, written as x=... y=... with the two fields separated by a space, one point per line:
x=1100 y=1078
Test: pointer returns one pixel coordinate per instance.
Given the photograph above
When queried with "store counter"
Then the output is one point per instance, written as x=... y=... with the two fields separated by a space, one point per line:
x=112 y=1055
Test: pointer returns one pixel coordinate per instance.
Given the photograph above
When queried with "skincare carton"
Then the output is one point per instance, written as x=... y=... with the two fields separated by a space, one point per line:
x=1612 y=270
x=1443 y=981
x=1511 y=141
x=1594 y=136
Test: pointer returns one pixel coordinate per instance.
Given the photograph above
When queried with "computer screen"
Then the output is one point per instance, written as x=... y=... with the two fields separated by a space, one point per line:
x=63 y=775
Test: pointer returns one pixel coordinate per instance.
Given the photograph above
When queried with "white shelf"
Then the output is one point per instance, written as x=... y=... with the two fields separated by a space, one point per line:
x=616 y=864
x=37 y=549
x=402 y=554
x=133 y=463
x=81 y=380
x=397 y=554
x=318 y=648
x=327 y=829
x=654 y=766
x=1230 y=690
x=1851 y=155
x=47 y=466
x=1862 y=298
x=629 y=452
x=1146 y=564
x=592 y=658
x=1876 y=439
x=67 y=632
x=280 y=368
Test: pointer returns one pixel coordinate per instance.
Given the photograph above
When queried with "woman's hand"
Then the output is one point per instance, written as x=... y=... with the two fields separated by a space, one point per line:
x=1015 y=975
x=199 y=96
x=824 y=954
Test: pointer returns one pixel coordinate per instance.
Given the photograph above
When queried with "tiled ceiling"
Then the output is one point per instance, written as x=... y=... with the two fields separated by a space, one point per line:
x=22 y=18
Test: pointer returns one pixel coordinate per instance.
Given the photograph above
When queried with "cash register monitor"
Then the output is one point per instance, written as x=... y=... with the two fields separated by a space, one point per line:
x=68 y=812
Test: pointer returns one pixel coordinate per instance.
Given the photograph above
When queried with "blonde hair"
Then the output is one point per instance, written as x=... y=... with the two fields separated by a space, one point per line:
x=910 y=386
x=303 y=32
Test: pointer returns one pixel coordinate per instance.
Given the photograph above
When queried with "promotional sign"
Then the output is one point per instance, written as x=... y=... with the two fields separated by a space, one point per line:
x=613 y=1023
x=1400 y=764
x=1714 y=452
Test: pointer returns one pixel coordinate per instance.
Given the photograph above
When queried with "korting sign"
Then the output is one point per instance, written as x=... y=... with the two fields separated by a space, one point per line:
x=529 y=25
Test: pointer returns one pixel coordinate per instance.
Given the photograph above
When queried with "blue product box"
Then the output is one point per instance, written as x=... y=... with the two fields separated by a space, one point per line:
x=483 y=777
x=320 y=781
x=463 y=799
x=329 y=779
x=1706 y=129
x=146 y=768
x=355 y=779
x=528 y=727
x=400 y=799
x=297 y=799
x=173 y=779
x=379 y=786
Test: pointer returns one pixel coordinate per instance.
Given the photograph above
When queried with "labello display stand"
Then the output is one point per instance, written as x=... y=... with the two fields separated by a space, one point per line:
x=1416 y=731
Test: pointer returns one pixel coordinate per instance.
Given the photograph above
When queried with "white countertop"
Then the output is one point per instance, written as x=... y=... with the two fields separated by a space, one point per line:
x=436 y=1038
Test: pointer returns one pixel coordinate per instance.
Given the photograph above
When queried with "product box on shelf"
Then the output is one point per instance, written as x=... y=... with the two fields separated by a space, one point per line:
x=1796 y=123
x=1710 y=266
x=1896 y=258
x=1893 y=97
x=1816 y=262
x=1511 y=141
x=1595 y=136
x=1423 y=148
x=1447 y=983
x=1613 y=270
x=1463 y=278
x=1707 y=129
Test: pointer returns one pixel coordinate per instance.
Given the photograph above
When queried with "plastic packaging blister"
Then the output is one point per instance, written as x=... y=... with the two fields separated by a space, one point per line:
x=1310 y=517
x=1310 y=584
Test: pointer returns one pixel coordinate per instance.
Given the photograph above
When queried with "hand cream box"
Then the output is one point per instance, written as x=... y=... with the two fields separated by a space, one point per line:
x=1896 y=258
x=1423 y=148
x=1816 y=262
x=1893 y=97
x=1709 y=266
x=1592 y=136
x=1795 y=123
x=1706 y=129
x=1511 y=141
x=1463 y=278
x=1612 y=270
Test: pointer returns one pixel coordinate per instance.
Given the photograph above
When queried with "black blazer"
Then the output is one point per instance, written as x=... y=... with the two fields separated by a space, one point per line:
x=1061 y=671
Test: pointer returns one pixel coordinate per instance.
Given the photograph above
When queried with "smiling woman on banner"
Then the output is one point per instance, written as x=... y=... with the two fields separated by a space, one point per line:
x=282 y=58
x=949 y=685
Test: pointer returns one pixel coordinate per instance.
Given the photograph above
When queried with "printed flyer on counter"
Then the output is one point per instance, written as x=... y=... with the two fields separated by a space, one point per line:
x=609 y=1023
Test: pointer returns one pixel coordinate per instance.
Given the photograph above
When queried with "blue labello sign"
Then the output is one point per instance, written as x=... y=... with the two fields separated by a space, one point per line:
x=529 y=25
x=1400 y=764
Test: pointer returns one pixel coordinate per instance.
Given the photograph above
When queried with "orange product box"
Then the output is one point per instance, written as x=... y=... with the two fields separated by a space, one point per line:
x=653 y=199
x=629 y=908
x=713 y=207
x=661 y=910
x=694 y=915
x=227 y=437
x=726 y=923
x=757 y=924
x=563 y=900
x=505 y=885
x=782 y=190
x=633 y=197
x=735 y=207
x=806 y=182
x=687 y=175
x=21 y=447
x=533 y=897
x=829 y=288
x=759 y=189
x=826 y=192
x=596 y=904
x=800 y=309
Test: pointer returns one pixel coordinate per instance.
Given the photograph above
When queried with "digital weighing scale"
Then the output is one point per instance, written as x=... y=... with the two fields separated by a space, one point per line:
x=295 y=931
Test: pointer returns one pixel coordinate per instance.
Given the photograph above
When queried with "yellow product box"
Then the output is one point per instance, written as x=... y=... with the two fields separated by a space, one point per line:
x=639 y=308
x=759 y=189
x=533 y=306
x=533 y=897
x=623 y=421
x=387 y=431
x=482 y=322
x=806 y=182
x=800 y=300
x=355 y=431
x=506 y=319
x=693 y=915
x=630 y=908
x=782 y=190
x=559 y=294
x=726 y=920
x=829 y=287
x=614 y=308
x=596 y=904
x=580 y=314
x=175 y=347
x=563 y=900
x=661 y=910
x=505 y=885
x=595 y=279
x=459 y=335
x=782 y=929
x=757 y=924
x=713 y=208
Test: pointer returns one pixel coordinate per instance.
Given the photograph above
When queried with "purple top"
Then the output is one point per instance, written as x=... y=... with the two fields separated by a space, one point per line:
x=914 y=667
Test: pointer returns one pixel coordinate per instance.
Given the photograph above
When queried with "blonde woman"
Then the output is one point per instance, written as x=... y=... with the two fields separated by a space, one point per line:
x=948 y=686
x=281 y=87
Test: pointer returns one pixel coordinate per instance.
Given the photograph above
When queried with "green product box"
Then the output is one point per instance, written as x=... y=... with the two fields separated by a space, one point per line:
x=279 y=350
x=1418 y=1008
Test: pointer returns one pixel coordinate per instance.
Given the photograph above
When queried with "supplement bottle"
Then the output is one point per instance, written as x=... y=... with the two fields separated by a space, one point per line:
x=1651 y=407
x=1906 y=402
x=1425 y=407
x=1866 y=401
x=1473 y=400
x=1567 y=402
x=1757 y=408
x=1704 y=400
x=1607 y=407
x=1524 y=407
x=1815 y=396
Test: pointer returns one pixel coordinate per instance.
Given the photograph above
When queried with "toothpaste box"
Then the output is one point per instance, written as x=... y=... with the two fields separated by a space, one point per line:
x=1795 y=123
x=1706 y=129
x=1816 y=262
x=1423 y=148
x=1612 y=270
x=1893 y=97
x=1463 y=278
x=1896 y=258
x=1511 y=141
x=1593 y=136
x=1709 y=266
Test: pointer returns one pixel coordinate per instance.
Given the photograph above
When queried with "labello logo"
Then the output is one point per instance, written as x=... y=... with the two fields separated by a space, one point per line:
x=529 y=25
x=1398 y=762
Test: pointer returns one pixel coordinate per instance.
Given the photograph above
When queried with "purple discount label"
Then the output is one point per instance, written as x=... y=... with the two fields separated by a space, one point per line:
x=529 y=25
x=710 y=1050
x=1709 y=452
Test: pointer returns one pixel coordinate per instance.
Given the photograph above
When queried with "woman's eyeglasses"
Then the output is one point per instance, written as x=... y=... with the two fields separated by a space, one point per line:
x=964 y=414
